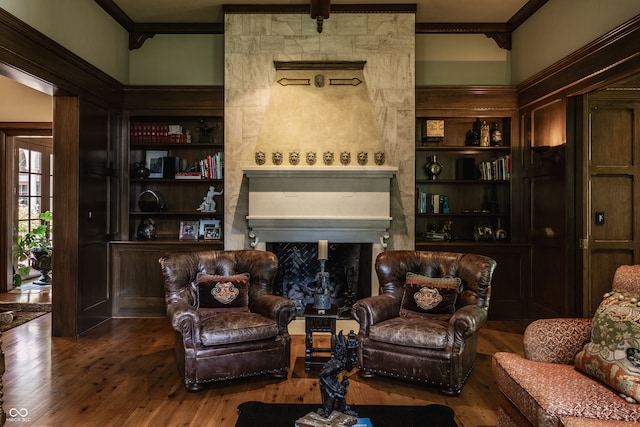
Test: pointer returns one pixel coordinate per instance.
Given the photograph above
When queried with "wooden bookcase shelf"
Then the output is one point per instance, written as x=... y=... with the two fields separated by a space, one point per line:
x=137 y=282
x=473 y=204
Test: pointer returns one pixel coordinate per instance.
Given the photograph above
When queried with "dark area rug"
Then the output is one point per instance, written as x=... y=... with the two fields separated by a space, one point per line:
x=20 y=318
x=252 y=414
x=21 y=313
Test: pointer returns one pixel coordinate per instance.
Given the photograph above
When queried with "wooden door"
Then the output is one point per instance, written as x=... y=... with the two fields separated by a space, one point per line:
x=548 y=188
x=609 y=193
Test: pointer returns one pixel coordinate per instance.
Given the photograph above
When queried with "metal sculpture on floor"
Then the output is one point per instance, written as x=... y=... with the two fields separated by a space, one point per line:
x=332 y=389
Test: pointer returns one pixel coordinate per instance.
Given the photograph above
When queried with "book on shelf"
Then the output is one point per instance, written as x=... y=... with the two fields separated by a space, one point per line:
x=211 y=167
x=496 y=170
x=188 y=175
x=157 y=133
x=431 y=203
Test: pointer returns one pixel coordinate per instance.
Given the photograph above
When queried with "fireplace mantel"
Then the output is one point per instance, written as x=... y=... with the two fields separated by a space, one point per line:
x=324 y=172
x=306 y=204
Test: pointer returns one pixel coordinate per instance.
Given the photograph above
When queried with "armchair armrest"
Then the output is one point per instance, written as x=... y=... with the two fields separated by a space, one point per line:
x=556 y=340
x=465 y=322
x=371 y=310
x=280 y=309
x=184 y=319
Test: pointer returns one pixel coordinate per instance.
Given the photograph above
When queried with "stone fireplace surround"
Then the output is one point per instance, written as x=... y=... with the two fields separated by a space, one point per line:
x=307 y=204
x=385 y=41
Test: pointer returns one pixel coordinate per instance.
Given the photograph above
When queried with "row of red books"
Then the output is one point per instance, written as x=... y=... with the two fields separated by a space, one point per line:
x=148 y=133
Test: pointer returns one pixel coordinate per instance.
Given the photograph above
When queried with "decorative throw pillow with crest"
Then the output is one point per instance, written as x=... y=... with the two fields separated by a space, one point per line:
x=222 y=293
x=613 y=354
x=429 y=295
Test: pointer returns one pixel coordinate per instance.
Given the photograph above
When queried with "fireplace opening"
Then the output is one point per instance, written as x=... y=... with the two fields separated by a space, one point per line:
x=348 y=265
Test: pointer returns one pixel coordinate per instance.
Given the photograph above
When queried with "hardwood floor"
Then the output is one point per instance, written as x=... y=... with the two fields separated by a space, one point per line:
x=28 y=294
x=122 y=373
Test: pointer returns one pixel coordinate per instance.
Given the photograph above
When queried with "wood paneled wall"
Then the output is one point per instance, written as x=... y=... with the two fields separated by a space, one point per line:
x=30 y=58
x=609 y=183
x=82 y=96
x=548 y=214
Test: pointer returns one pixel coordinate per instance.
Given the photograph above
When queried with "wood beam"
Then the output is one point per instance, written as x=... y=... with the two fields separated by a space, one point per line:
x=606 y=60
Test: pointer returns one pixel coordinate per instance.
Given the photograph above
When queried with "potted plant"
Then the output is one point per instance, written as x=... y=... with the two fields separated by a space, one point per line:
x=36 y=248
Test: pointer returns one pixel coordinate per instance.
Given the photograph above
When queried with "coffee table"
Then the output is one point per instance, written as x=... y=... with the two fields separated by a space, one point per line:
x=253 y=414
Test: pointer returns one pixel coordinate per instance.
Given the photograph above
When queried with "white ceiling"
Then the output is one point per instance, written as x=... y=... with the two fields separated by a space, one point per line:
x=205 y=11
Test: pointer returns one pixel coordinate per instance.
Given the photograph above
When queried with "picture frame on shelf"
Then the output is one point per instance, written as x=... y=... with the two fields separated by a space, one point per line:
x=208 y=224
x=211 y=232
x=154 y=161
x=189 y=230
x=434 y=131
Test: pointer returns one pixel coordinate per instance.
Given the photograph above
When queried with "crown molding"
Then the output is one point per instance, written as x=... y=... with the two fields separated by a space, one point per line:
x=140 y=32
x=499 y=32
x=33 y=59
x=603 y=62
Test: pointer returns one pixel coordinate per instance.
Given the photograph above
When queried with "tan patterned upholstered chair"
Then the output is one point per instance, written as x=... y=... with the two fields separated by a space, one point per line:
x=544 y=388
x=227 y=322
x=424 y=324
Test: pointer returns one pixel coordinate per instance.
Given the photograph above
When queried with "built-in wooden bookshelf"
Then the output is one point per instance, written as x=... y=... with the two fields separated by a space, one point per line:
x=177 y=133
x=473 y=203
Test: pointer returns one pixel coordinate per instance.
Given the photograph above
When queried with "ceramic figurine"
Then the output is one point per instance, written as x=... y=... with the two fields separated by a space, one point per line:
x=208 y=204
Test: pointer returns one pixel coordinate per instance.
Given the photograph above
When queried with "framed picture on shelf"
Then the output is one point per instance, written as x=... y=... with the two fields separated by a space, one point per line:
x=211 y=232
x=207 y=223
x=153 y=159
x=434 y=131
x=189 y=230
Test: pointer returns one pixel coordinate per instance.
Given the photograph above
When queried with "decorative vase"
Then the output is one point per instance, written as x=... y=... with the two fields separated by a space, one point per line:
x=485 y=134
x=433 y=168
x=496 y=135
x=41 y=260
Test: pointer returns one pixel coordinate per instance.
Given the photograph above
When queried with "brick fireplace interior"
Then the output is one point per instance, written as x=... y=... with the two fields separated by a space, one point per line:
x=348 y=265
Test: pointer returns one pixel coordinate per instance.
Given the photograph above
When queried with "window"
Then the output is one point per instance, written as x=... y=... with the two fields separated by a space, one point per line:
x=34 y=181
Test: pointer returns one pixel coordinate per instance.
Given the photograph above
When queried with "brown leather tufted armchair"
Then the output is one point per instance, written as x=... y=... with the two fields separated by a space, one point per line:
x=437 y=349
x=229 y=344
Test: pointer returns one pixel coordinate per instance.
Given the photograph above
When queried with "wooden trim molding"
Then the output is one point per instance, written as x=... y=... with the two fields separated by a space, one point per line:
x=34 y=128
x=319 y=65
x=305 y=8
x=140 y=32
x=459 y=99
x=608 y=59
x=58 y=70
x=175 y=100
x=498 y=32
